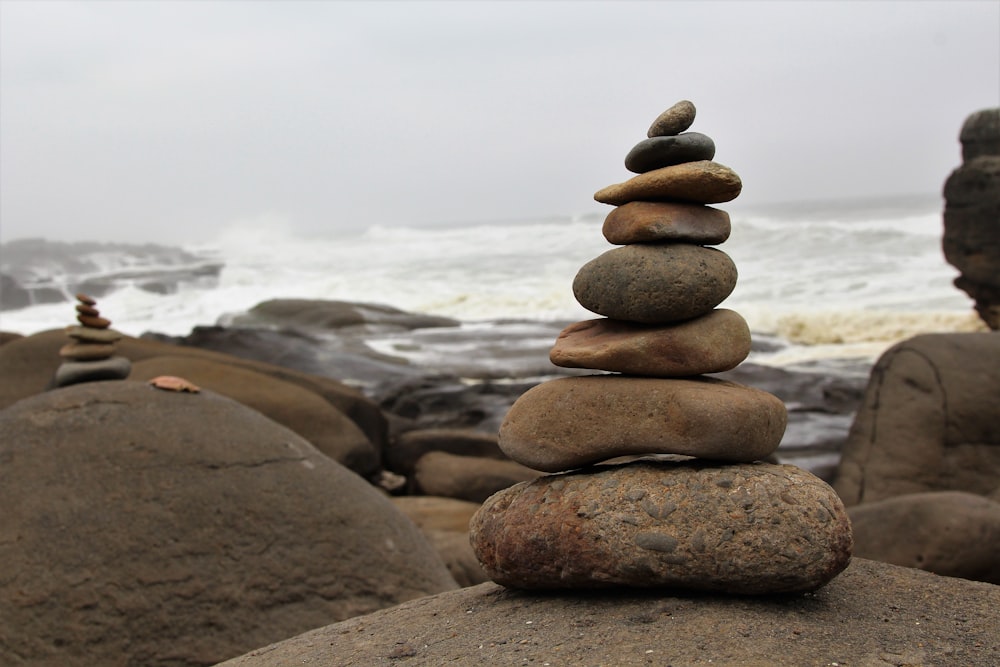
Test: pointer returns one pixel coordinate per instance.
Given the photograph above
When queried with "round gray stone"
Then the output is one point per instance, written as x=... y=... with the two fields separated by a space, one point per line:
x=750 y=529
x=655 y=284
x=657 y=152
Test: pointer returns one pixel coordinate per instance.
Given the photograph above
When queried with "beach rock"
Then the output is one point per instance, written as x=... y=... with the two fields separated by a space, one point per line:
x=655 y=284
x=87 y=351
x=572 y=422
x=928 y=421
x=89 y=335
x=980 y=134
x=712 y=343
x=8 y=336
x=290 y=405
x=148 y=527
x=951 y=533
x=674 y=120
x=472 y=478
x=971 y=241
x=27 y=365
x=87 y=309
x=407 y=448
x=328 y=314
x=93 y=322
x=702 y=182
x=653 y=222
x=74 y=372
x=658 y=152
x=12 y=295
x=746 y=529
x=874 y=614
x=445 y=524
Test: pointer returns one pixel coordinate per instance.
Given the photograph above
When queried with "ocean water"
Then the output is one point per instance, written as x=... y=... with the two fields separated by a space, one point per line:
x=829 y=280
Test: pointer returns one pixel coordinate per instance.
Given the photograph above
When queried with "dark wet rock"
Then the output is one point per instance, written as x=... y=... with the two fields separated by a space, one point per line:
x=472 y=478
x=657 y=152
x=332 y=315
x=749 y=529
x=407 y=448
x=980 y=134
x=152 y=527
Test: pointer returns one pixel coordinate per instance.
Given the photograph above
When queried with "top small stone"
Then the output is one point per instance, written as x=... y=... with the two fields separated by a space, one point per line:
x=673 y=121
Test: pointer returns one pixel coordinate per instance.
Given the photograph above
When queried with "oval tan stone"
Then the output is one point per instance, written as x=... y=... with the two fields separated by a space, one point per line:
x=711 y=343
x=674 y=120
x=748 y=529
x=576 y=421
x=652 y=222
x=655 y=284
x=701 y=182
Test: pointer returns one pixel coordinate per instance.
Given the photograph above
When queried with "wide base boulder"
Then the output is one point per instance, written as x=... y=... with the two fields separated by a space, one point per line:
x=873 y=615
x=143 y=526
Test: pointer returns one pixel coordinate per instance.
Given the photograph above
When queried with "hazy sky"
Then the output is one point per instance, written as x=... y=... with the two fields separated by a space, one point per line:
x=170 y=121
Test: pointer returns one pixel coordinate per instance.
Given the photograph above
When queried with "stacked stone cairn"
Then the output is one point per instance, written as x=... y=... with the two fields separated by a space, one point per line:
x=90 y=354
x=658 y=479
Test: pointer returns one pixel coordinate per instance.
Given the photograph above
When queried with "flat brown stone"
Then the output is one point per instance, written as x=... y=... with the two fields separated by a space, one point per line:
x=84 y=309
x=83 y=298
x=652 y=222
x=93 y=335
x=576 y=421
x=92 y=322
x=748 y=529
x=674 y=120
x=86 y=351
x=655 y=284
x=702 y=182
x=711 y=343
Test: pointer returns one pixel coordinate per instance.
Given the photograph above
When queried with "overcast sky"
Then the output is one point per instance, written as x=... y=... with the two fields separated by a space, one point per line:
x=165 y=121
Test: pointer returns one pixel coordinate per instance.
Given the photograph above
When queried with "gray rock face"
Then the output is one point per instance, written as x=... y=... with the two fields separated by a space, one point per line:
x=712 y=343
x=657 y=222
x=674 y=120
x=971 y=240
x=655 y=284
x=571 y=422
x=658 y=152
x=702 y=182
x=749 y=529
x=928 y=421
x=980 y=134
x=950 y=533
x=149 y=527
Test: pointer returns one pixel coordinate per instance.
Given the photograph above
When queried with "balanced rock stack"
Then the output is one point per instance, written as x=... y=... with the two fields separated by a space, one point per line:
x=90 y=354
x=693 y=507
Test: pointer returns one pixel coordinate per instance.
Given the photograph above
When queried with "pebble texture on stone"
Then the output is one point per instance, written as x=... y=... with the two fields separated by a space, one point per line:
x=748 y=529
x=718 y=521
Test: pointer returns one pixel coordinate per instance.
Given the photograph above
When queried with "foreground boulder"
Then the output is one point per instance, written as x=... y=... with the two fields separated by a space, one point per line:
x=143 y=526
x=928 y=421
x=872 y=614
x=946 y=532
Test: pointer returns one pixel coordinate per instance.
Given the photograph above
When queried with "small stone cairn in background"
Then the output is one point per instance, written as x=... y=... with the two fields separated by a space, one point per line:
x=90 y=354
x=659 y=480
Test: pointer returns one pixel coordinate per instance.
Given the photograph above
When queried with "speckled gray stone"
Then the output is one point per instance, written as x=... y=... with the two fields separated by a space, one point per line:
x=655 y=284
x=748 y=529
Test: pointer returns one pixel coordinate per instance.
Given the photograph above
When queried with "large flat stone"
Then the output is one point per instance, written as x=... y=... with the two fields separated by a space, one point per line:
x=712 y=343
x=666 y=222
x=702 y=182
x=576 y=421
